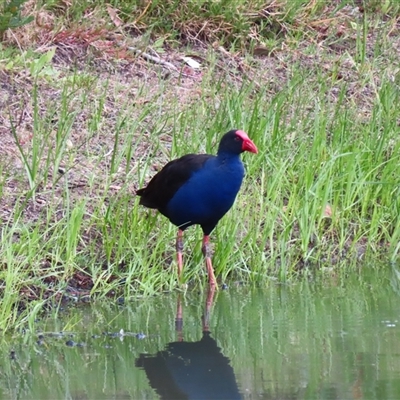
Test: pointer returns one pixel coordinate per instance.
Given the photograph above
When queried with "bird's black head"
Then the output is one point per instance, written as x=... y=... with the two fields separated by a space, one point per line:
x=236 y=142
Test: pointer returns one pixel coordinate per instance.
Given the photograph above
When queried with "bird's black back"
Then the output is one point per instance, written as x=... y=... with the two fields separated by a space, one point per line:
x=166 y=183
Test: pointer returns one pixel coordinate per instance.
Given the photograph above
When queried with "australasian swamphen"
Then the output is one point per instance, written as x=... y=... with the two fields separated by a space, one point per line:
x=198 y=189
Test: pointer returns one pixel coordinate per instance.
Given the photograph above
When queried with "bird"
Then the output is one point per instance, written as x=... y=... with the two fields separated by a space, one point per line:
x=199 y=189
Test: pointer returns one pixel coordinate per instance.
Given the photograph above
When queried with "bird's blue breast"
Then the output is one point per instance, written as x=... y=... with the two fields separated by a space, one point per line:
x=208 y=194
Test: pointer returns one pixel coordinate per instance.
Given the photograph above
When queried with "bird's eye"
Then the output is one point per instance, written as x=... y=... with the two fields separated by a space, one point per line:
x=237 y=138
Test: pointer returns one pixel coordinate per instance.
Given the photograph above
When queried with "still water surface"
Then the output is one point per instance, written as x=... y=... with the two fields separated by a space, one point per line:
x=334 y=338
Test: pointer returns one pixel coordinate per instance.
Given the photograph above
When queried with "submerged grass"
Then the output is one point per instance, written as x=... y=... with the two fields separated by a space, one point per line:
x=323 y=191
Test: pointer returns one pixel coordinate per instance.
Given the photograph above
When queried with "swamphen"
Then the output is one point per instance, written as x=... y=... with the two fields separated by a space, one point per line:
x=198 y=189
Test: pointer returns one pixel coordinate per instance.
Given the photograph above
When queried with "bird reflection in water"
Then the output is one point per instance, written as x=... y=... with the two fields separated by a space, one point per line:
x=191 y=370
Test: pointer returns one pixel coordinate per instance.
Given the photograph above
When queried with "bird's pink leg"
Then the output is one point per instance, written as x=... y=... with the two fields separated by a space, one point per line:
x=179 y=250
x=207 y=254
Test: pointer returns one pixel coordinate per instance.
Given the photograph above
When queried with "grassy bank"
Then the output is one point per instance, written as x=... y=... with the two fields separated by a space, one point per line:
x=86 y=120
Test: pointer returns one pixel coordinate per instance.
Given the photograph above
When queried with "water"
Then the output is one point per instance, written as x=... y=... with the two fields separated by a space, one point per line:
x=335 y=338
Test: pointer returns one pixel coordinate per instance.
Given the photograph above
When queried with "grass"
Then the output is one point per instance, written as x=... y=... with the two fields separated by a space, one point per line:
x=86 y=129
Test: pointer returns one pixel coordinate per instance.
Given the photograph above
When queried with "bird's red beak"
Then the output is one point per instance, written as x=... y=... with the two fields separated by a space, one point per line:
x=248 y=144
